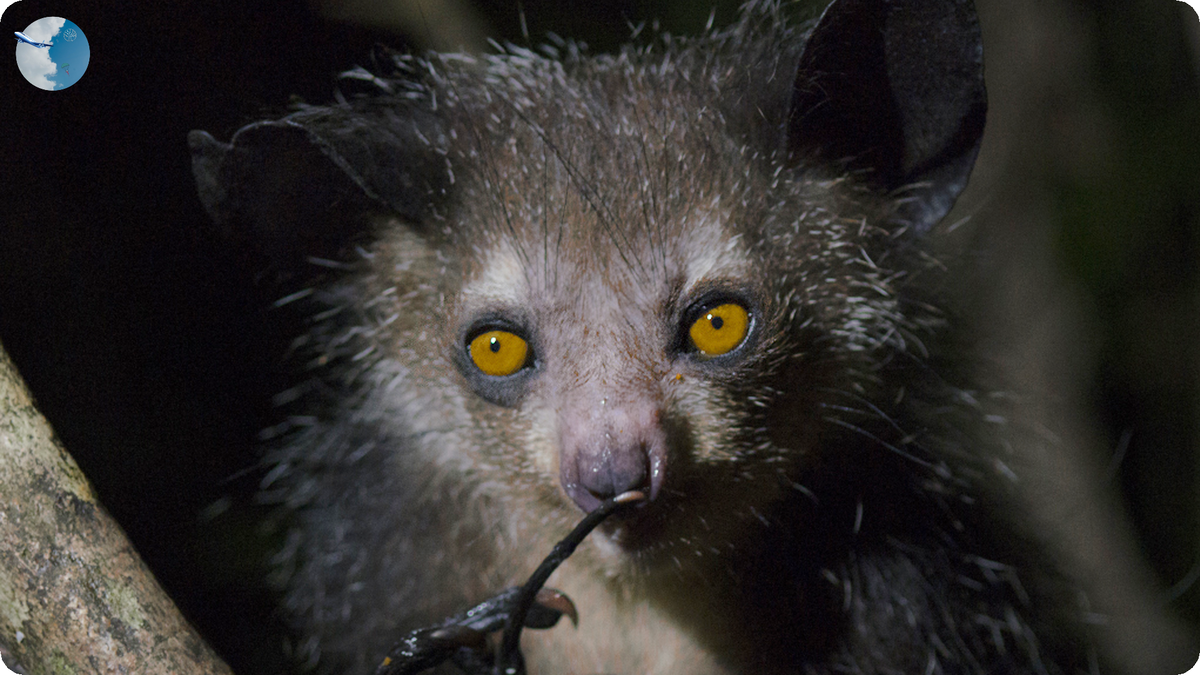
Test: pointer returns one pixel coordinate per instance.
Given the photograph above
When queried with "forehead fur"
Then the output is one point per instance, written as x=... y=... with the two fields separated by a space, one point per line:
x=520 y=261
x=624 y=167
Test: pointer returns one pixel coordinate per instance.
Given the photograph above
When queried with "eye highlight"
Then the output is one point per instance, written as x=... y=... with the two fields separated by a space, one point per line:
x=498 y=352
x=720 y=329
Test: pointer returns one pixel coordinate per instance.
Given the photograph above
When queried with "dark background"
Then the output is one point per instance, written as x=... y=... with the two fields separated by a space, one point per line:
x=146 y=341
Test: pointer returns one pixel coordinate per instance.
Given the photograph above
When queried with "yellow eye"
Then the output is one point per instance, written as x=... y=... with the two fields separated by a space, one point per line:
x=498 y=352
x=720 y=330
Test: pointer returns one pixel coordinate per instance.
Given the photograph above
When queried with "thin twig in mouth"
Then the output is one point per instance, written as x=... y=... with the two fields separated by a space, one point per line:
x=509 y=646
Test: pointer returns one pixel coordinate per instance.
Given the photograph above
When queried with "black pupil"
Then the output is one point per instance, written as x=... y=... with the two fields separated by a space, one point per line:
x=495 y=345
x=717 y=322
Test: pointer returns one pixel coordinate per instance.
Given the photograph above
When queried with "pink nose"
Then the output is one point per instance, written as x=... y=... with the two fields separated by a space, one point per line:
x=607 y=472
x=608 y=446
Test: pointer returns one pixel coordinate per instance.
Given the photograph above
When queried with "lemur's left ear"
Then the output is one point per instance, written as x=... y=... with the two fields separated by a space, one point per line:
x=893 y=91
x=293 y=188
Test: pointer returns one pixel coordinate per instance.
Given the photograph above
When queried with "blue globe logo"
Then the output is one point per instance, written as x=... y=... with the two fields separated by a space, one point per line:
x=52 y=53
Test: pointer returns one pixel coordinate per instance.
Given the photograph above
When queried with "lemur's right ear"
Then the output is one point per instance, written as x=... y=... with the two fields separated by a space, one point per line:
x=299 y=186
x=892 y=90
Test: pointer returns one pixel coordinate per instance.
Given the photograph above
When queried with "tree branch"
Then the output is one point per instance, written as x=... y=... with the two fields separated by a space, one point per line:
x=75 y=597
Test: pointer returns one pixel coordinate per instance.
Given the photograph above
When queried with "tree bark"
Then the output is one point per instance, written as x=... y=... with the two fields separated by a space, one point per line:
x=75 y=597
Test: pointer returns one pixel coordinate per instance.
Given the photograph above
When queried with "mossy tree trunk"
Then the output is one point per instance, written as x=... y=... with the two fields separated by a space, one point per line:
x=75 y=597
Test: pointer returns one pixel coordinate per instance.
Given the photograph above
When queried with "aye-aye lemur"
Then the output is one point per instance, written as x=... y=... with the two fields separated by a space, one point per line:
x=698 y=268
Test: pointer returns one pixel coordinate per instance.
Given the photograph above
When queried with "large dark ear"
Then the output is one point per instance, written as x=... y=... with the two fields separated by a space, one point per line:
x=893 y=91
x=298 y=187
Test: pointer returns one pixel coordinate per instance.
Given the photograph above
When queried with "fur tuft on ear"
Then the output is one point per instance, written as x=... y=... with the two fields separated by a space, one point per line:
x=894 y=92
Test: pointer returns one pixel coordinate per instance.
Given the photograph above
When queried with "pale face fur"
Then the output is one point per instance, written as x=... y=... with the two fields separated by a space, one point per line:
x=592 y=227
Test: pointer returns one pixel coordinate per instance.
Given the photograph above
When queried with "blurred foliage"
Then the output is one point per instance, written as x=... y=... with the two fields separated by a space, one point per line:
x=1129 y=235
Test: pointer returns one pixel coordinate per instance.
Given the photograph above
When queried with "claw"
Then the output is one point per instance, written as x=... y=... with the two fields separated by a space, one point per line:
x=548 y=605
x=460 y=636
